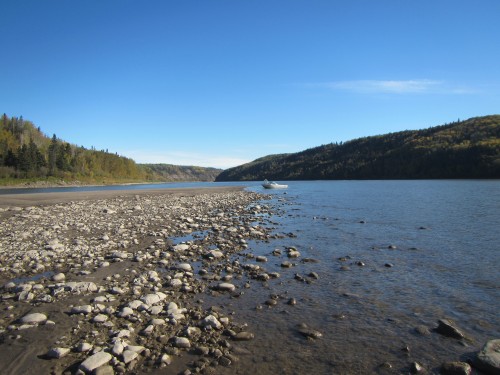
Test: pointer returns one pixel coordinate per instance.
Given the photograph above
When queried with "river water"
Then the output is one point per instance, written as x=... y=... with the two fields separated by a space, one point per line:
x=429 y=249
x=441 y=239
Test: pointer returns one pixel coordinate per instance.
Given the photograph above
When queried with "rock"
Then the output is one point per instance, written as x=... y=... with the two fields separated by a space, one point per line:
x=58 y=352
x=243 y=336
x=416 y=368
x=305 y=331
x=166 y=359
x=100 y=318
x=81 y=287
x=58 y=277
x=95 y=361
x=455 y=368
x=182 y=342
x=84 y=309
x=261 y=258
x=83 y=347
x=422 y=330
x=104 y=370
x=151 y=299
x=184 y=267
x=214 y=254
x=181 y=247
x=126 y=311
x=226 y=287
x=488 y=359
x=129 y=355
x=34 y=318
x=118 y=348
x=447 y=328
x=211 y=321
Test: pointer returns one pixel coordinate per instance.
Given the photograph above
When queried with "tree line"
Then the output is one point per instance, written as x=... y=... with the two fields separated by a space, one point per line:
x=461 y=149
x=25 y=152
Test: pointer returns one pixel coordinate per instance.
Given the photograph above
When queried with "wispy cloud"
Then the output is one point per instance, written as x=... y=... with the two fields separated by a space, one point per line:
x=412 y=86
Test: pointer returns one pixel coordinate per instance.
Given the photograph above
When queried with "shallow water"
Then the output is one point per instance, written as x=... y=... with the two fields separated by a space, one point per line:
x=444 y=251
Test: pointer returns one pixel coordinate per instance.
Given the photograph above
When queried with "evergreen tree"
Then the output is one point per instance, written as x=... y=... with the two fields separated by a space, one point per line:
x=52 y=155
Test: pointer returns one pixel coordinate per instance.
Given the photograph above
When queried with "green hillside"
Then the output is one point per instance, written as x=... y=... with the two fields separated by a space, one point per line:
x=28 y=155
x=463 y=149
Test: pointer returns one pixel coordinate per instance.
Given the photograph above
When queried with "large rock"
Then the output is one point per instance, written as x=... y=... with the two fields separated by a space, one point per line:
x=95 y=361
x=34 y=318
x=448 y=328
x=488 y=359
x=455 y=368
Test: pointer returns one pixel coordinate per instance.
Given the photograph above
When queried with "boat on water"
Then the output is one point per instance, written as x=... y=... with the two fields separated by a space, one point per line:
x=273 y=185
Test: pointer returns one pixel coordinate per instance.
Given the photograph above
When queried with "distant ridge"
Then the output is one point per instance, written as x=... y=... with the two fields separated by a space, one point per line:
x=463 y=149
x=170 y=172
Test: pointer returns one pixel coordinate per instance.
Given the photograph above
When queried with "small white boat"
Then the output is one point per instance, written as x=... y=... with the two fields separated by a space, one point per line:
x=273 y=185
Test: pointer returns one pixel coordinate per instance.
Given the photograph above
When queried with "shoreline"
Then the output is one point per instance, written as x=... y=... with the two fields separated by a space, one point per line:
x=104 y=279
x=36 y=199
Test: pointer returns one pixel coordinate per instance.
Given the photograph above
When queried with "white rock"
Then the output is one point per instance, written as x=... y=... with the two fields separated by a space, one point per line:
x=82 y=287
x=58 y=277
x=101 y=318
x=216 y=254
x=118 y=348
x=128 y=356
x=151 y=299
x=126 y=311
x=226 y=287
x=211 y=321
x=84 y=309
x=166 y=359
x=181 y=247
x=135 y=304
x=83 y=347
x=182 y=342
x=97 y=360
x=184 y=267
x=58 y=352
x=34 y=318
x=175 y=283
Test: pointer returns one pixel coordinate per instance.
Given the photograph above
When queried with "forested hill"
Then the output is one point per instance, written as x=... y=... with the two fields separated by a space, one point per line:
x=464 y=149
x=28 y=155
x=169 y=172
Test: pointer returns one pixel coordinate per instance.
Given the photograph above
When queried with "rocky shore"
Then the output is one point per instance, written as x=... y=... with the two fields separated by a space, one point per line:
x=117 y=285
x=184 y=281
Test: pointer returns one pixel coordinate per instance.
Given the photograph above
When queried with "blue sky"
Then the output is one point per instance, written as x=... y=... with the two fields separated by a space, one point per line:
x=222 y=82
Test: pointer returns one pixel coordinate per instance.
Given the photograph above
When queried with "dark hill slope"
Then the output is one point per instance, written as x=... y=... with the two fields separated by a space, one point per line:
x=465 y=149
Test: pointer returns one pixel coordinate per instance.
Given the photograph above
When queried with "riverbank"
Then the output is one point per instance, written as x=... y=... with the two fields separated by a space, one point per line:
x=93 y=280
